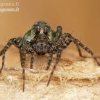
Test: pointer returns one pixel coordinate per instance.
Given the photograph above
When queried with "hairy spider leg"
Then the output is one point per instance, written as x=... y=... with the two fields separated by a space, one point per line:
x=23 y=59
x=2 y=52
x=76 y=41
x=19 y=44
x=66 y=43
x=57 y=37
x=58 y=34
x=59 y=31
x=49 y=61
x=79 y=50
x=54 y=67
x=3 y=60
x=80 y=53
x=32 y=59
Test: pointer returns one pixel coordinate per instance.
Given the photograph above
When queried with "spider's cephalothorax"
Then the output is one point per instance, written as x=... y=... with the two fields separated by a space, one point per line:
x=41 y=31
x=41 y=39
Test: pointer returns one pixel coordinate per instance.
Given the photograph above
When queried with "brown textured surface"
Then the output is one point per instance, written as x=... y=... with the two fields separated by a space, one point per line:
x=71 y=80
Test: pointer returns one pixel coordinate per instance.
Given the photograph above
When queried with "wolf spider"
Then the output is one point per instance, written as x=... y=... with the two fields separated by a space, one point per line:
x=41 y=39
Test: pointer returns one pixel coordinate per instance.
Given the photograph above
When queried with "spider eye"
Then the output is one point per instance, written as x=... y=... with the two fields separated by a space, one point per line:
x=46 y=29
x=36 y=28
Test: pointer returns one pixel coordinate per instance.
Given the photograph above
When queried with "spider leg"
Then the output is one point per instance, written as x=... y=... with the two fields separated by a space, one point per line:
x=49 y=61
x=58 y=34
x=32 y=60
x=76 y=41
x=3 y=60
x=13 y=41
x=79 y=51
x=54 y=67
x=18 y=42
x=88 y=50
x=23 y=59
x=67 y=35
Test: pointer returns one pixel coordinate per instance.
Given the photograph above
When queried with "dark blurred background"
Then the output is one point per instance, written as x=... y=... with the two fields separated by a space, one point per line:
x=79 y=17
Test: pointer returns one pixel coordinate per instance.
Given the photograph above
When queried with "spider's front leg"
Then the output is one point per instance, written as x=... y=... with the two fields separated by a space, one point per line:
x=14 y=41
x=54 y=67
x=53 y=48
x=49 y=61
x=23 y=59
x=76 y=41
x=57 y=48
x=32 y=59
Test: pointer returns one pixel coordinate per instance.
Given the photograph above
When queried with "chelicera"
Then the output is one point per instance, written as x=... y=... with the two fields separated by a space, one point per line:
x=41 y=39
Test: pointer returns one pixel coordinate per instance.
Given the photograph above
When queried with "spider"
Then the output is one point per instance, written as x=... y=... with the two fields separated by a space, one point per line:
x=41 y=39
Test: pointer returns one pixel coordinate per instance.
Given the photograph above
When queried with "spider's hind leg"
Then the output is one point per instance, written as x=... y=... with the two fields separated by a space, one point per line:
x=88 y=50
x=79 y=51
x=77 y=42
